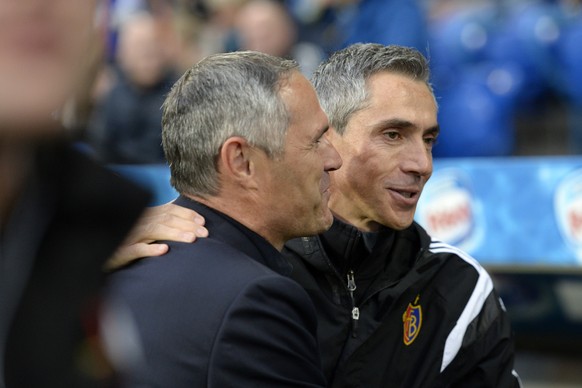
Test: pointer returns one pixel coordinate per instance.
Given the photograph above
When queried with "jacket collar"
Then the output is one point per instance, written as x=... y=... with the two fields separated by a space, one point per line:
x=342 y=244
x=231 y=232
x=347 y=246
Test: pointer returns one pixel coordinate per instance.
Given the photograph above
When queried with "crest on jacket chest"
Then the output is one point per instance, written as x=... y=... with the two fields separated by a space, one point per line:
x=412 y=319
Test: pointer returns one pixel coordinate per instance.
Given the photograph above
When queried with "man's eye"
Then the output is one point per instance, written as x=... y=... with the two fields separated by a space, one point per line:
x=392 y=135
x=431 y=141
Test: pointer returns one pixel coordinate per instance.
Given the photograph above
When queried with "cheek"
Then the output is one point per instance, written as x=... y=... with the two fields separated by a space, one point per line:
x=362 y=170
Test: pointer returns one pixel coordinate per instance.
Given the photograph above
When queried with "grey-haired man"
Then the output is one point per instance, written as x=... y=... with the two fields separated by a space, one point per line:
x=245 y=139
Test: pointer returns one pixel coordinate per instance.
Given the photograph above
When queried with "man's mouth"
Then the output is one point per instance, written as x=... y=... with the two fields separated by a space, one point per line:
x=406 y=194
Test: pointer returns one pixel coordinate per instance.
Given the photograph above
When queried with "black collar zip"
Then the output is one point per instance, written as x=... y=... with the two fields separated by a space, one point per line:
x=355 y=310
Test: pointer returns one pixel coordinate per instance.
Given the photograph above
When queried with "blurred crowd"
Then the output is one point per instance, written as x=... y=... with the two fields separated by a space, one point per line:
x=507 y=73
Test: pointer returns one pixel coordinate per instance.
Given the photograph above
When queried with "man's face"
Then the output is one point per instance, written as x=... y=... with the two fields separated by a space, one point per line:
x=265 y=27
x=141 y=52
x=298 y=186
x=44 y=47
x=387 y=154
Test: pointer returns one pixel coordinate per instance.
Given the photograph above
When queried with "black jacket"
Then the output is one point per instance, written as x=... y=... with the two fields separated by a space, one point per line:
x=220 y=313
x=70 y=218
x=397 y=309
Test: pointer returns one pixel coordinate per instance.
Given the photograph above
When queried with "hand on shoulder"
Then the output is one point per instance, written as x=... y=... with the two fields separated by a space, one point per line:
x=165 y=222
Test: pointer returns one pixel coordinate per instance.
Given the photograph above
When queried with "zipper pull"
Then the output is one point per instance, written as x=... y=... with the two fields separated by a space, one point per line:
x=355 y=311
x=351 y=283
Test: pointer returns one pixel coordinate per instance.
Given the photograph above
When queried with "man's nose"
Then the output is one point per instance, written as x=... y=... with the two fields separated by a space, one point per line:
x=332 y=160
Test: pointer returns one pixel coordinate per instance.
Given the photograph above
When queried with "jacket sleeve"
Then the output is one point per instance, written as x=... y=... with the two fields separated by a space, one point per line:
x=267 y=339
x=486 y=357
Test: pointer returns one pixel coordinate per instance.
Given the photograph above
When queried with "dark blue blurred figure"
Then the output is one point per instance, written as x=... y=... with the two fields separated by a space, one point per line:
x=126 y=127
x=570 y=53
x=477 y=114
x=490 y=63
x=337 y=24
x=475 y=95
x=527 y=35
x=400 y=22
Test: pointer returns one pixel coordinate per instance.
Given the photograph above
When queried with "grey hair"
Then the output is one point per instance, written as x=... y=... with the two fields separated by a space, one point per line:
x=341 y=81
x=224 y=95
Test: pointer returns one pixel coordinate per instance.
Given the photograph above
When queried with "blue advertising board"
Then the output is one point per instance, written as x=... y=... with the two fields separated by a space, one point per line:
x=500 y=210
x=507 y=210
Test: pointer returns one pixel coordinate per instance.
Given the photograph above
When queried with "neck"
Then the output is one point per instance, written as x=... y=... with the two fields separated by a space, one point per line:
x=247 y=212
x=346 y=210
x=15 y=166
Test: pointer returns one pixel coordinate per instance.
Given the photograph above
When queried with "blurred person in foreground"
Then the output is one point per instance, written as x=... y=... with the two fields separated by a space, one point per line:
x=395 y=307
x=246 y=142
x=126 y=125
x=61 y=215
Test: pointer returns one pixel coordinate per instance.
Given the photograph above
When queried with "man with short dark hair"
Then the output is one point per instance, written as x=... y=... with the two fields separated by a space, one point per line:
x=245 y=139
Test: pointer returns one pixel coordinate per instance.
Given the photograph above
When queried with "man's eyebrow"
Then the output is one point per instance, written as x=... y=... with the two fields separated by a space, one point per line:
x=434 y=130
x=394 y=123
x=403 y=124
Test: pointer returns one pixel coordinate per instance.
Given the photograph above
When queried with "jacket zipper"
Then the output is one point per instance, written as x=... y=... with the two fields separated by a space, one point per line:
x=355 y=310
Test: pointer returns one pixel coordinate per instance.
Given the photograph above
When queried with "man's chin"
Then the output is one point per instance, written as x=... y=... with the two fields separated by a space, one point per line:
x=400 y=224
x=324 y=222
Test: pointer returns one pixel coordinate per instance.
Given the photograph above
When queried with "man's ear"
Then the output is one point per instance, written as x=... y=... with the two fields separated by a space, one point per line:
x=236 y=159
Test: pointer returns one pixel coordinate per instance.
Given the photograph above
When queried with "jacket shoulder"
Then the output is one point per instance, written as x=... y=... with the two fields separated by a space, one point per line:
x=192 y=266
x=482 y=322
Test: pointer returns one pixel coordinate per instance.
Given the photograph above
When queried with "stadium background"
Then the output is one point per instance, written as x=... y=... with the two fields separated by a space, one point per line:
x=507 y=185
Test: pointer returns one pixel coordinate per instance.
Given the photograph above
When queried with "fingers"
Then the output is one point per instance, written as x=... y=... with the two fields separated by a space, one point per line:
x=174 y=211
x=127 y=254
x=150 y=232
x=192 y=224
x=168 y=222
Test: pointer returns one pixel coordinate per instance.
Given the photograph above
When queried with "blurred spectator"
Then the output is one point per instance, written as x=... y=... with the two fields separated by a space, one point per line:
x=335 y=24
x=267 y=26
x=399 y=22
x=127 y=123
x=497 y=65
x=219 y=22
x=183 y=30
